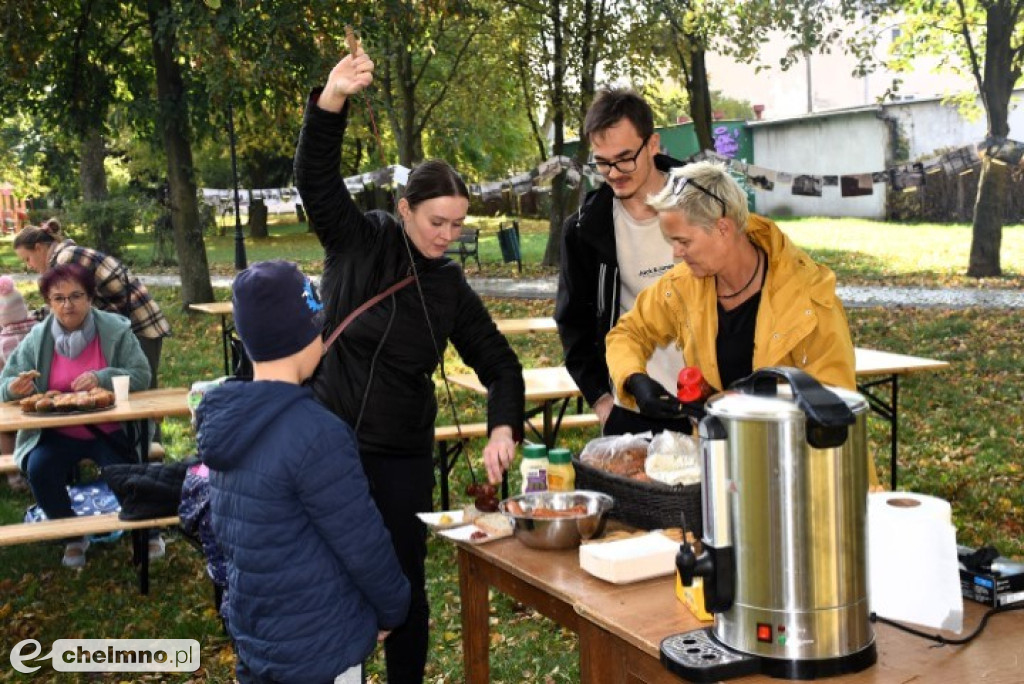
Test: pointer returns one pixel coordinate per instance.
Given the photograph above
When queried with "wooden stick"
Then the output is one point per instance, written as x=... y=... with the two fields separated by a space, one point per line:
x=350 y=39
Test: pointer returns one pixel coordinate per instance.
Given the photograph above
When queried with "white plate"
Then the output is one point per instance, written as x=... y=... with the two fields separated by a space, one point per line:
x=466 y=534
x=433 y=520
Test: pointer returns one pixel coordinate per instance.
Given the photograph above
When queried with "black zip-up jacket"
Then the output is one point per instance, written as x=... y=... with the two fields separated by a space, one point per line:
x=386 y=358
x=587 y=303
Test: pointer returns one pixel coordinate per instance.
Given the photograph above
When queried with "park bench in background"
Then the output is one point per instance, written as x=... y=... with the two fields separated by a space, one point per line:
x=466 y=246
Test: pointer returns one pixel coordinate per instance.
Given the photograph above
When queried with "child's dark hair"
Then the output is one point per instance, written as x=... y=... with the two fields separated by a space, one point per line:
x=434 y=178
x=30 y=236
x=614 y=104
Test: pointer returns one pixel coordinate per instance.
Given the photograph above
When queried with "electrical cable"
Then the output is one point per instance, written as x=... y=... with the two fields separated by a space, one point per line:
x=373 y=366
x=943 y=641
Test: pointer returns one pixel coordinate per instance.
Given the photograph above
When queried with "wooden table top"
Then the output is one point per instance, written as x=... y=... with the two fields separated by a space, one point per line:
x=519 y=326
x=158 y=403
x=218 y=308
x=643 y=613
x=542 y=384
x=876 y=362
x=867 y=361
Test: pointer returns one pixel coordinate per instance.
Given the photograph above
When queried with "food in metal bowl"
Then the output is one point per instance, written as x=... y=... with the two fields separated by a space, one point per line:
x=557 y=520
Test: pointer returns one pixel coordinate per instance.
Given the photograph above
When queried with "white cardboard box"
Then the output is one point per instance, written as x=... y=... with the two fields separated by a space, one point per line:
x=632 y=559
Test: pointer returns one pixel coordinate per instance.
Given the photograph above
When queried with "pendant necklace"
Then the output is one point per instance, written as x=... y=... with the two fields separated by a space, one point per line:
x=753 y=275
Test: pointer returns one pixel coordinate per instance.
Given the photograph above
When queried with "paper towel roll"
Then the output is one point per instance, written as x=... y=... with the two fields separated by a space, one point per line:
x=913 y=571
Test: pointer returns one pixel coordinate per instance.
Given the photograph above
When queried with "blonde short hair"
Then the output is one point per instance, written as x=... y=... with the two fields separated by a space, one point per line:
x=704 y=192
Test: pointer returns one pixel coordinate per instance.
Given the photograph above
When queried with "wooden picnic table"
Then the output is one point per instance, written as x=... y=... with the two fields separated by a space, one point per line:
x=222 y=309
x=520 y=326
x=620 y=627
x=548 y=388
x=874 y=369
x=140 y=407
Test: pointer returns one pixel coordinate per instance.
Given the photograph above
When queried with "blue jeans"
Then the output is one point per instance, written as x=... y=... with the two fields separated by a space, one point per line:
x=52 y=462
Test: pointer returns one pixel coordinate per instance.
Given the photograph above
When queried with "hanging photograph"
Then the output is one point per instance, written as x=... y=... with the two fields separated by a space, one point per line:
x=906 y=178
x=1007 y=151
x=830 y=181
x=933 y=165
x=761 y=178
x=856 y=185
x=808 y=186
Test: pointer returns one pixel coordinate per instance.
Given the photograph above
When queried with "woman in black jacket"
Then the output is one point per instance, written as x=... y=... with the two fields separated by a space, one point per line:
x=378 y=374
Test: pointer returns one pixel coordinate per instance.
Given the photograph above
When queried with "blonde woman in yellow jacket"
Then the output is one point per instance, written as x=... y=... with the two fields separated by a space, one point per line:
x=742 y=296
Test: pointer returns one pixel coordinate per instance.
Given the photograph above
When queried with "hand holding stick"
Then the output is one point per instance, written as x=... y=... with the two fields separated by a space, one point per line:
x=351 y=75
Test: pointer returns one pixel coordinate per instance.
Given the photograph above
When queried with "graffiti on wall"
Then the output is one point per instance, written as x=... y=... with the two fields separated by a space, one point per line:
x=727 y=142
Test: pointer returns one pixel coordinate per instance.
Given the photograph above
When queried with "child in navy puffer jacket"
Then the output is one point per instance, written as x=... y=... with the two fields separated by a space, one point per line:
x=313 y=579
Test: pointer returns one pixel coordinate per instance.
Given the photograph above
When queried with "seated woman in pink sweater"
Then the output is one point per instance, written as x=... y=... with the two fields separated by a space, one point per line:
x=76 y=348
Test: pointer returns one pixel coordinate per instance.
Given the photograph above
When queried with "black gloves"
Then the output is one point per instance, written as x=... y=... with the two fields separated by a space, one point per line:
x=652 y=399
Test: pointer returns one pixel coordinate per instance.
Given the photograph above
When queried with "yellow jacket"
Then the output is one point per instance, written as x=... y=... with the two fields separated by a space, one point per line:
x=800 y=322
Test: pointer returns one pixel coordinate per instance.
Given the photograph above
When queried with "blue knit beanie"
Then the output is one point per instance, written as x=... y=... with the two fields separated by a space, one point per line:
x=276 y=310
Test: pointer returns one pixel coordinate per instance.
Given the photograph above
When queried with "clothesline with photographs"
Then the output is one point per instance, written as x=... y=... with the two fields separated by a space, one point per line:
x=903 y=177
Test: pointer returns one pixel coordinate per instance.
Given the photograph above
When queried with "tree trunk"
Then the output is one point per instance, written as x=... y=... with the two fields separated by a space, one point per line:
x=173 y=119
x=987 y=235
x=552 y=252
x=91 y=172
x=700 y=96
x=258 y=219
x=410 y=145
x=996 y=89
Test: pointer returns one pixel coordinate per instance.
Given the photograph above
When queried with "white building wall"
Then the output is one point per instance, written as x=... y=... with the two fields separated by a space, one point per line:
x=930 y=125
x=827 y=145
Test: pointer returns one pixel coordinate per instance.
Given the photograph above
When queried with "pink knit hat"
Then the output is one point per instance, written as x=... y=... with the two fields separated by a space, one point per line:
x=12 y=304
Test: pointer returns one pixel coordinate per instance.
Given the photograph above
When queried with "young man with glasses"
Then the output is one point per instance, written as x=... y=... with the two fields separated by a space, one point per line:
x=612 y=248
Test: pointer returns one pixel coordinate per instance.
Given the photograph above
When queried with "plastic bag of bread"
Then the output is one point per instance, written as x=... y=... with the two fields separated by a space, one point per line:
x=622 y=455
x=673 y=458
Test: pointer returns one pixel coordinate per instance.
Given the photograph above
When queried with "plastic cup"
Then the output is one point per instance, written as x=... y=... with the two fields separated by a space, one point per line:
x=121 y=383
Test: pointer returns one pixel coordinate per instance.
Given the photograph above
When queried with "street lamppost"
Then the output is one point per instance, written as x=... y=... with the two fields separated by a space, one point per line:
x=239 y=238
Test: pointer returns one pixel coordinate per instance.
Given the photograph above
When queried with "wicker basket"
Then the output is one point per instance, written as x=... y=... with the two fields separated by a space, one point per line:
x=646 y=505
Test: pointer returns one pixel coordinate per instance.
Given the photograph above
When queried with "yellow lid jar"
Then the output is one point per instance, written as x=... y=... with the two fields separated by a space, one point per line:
x=561 y=474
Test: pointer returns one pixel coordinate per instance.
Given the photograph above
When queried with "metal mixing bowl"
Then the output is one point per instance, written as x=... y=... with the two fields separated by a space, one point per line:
x=563 y=532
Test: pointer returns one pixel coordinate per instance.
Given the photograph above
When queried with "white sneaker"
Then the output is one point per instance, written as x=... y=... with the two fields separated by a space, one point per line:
x=157 y=548
x=74 y=553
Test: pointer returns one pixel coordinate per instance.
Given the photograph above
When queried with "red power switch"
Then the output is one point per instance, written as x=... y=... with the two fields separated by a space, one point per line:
x=764 y=632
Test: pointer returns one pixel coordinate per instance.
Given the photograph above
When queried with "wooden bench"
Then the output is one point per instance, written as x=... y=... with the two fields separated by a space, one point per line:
x=466 y=246
x=81 y=526
x=7 y=466
x=450 y=445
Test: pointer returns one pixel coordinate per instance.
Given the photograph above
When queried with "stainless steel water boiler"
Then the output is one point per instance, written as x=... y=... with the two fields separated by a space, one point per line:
x=784 y=557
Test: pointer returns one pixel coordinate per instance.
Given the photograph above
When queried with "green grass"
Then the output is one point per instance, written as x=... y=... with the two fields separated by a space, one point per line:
x=860 y=251
x=962 y=434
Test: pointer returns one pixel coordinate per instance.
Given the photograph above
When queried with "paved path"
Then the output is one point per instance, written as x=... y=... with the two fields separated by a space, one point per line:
x=853 y=297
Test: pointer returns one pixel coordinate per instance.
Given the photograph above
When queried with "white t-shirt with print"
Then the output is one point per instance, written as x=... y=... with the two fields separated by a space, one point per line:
x=644 y=256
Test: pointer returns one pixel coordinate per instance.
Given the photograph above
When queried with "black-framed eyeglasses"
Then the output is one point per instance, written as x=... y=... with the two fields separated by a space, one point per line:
x=679 y=184
x=627 y=165
x=74 y=298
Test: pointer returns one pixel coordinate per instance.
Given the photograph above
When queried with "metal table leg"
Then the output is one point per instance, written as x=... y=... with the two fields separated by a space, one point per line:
x=890 y=411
